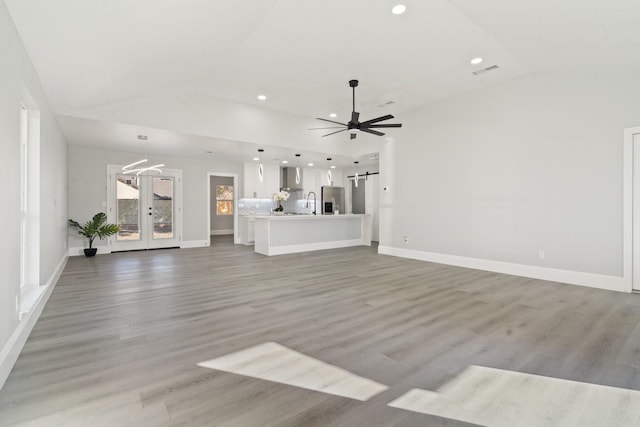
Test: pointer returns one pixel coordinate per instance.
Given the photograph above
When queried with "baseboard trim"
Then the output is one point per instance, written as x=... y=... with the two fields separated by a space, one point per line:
x=610 y=283
x=16 y=342
x=194 y=244
x=221 y=232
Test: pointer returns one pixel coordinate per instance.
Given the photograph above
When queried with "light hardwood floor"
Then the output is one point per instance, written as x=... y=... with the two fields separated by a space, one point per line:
x=121 y=337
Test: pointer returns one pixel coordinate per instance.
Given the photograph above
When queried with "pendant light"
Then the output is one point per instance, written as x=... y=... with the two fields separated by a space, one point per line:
x=260 y=167
x=329 y=181
x=138 y=168
x=298 y=179
x=356 y=177
x=131 y=168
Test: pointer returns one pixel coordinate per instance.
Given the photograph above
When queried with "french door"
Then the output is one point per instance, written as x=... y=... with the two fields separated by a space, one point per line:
x=146 y=208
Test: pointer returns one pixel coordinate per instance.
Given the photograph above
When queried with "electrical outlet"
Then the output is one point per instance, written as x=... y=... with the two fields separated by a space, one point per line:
x=541 y=255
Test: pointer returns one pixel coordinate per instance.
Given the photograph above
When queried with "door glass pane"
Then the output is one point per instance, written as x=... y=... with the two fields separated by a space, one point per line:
x=162 y=208
x=128 y=207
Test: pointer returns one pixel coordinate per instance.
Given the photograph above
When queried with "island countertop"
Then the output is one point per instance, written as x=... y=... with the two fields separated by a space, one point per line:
x=283 y=234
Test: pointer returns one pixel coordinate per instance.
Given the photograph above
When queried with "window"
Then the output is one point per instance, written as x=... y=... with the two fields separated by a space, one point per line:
x=224 y=199
x=24 y=173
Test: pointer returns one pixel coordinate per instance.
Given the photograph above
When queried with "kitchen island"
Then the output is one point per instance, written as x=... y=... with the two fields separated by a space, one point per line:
x=285 y=234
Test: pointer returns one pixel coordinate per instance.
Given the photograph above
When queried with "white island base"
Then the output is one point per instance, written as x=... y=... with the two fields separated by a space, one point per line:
x=286 y=234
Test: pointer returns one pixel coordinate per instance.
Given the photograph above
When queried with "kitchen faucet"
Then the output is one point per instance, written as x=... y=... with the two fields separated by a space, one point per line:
x=314 y=201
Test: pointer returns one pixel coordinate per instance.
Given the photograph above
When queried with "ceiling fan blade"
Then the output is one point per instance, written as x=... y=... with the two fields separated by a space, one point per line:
x=338 y=131
x=330 y=121
x=375 y=132
x=353 y=136
x=354 y=117
x=330 y=127
x=390 y=125
x=376 y=120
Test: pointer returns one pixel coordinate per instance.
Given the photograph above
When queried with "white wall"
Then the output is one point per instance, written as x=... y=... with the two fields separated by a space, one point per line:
x=503 y=173
x=88 y=187
x=17 y=77
x=220 y=224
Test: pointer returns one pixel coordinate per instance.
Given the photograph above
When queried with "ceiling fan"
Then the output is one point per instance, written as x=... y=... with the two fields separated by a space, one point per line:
x=354 y=126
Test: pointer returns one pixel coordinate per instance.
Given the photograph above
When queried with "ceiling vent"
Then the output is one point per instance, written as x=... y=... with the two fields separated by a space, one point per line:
x=386 y=103
x=484 y=70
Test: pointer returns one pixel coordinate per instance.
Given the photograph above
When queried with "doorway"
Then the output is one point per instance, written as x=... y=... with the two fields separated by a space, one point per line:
x=147 y=208
x=222 y=212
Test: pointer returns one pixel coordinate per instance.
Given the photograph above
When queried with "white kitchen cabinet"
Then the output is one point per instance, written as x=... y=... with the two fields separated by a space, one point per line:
x=270 y=184
x=247 y=229
x=315 y=178
x=310 y=181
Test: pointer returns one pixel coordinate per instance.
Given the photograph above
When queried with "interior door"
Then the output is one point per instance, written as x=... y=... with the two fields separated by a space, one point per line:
x=147 y=210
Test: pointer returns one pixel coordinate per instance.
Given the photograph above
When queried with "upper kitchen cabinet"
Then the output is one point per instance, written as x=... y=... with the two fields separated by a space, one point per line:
x=315 y=178
x=311 y=182
x=269 y=185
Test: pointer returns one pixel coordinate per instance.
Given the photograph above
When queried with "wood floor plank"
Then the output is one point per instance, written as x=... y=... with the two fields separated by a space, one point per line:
x=119 y=340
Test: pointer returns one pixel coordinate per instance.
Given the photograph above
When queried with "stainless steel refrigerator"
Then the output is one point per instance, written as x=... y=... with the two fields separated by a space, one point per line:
x=332 y=200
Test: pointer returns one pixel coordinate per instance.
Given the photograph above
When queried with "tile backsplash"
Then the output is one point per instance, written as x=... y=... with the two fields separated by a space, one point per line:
x=256 y=206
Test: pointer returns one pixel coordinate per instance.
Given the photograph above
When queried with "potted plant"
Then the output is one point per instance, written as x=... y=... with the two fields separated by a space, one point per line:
x=96 y=227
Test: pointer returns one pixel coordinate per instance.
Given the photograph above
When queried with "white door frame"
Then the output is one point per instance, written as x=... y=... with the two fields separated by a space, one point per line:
x=113 y=170
x=236 y=237
x=627 y=212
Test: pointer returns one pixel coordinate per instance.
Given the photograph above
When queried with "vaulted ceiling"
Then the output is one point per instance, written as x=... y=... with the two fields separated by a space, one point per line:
x=95 y=58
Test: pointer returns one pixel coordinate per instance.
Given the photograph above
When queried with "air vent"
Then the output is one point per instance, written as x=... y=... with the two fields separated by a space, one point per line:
x=387 y=103
x=484 y=70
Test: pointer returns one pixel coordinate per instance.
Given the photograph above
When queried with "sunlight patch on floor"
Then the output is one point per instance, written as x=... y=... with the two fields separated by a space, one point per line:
x=495 y=397
x=273 y=362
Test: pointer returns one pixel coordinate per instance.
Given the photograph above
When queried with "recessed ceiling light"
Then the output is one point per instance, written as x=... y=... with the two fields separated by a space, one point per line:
x=333 y=166
x=143 y=137
x=285 y=161
x=262 y=97
x=333 y=115
x=256 y=158
x=476 y=61
x=398 y=9
x=309 y=164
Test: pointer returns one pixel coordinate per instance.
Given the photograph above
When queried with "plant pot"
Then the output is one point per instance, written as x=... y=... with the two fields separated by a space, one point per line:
x=90 y=252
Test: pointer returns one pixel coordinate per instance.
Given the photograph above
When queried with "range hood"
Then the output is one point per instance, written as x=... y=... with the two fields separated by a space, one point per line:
x=288 y=179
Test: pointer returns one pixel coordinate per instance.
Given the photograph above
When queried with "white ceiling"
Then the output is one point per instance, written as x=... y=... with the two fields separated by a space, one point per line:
x=301 y=54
